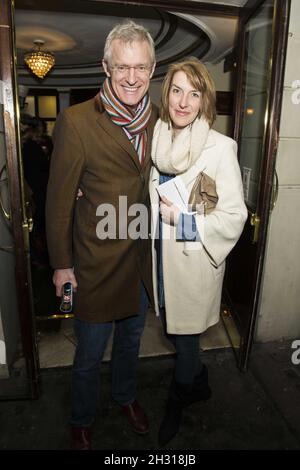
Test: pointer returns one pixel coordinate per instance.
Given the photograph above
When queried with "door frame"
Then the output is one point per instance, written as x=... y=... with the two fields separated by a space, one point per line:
x=18 y=218
x=271 y=140
x=20 y=222
x=271 y=137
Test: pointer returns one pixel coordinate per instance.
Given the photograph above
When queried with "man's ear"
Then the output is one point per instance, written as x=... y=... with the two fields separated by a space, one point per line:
x=105 y=67
x=152 y=70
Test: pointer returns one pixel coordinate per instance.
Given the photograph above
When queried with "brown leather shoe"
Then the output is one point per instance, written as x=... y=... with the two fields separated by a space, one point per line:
x=136 y=417
x=81 y=438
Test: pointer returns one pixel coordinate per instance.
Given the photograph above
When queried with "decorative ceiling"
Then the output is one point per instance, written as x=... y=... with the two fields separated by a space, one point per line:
x=75 y=31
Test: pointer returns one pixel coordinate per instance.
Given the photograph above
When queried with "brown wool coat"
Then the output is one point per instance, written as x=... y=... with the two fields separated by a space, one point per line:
x=94 y=154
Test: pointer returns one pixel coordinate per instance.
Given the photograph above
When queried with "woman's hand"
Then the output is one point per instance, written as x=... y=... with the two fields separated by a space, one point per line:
x=169 y=212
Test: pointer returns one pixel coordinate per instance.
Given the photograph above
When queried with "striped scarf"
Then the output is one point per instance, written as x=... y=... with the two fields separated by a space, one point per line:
x=134 y=125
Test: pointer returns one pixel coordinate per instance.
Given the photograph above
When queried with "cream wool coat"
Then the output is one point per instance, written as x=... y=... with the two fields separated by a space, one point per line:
x=193 y=271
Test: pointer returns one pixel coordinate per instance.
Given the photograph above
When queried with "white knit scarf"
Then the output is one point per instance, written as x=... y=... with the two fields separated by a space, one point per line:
x=175 y=156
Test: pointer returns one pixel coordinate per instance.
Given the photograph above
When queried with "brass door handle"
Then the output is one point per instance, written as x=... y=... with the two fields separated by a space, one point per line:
x=30 y=224
x=29 y=218
x=275 y=191
x=6 y=214
x=255 y=222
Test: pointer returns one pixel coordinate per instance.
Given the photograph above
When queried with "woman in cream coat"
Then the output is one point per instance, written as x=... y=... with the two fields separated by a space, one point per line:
x=189 y=250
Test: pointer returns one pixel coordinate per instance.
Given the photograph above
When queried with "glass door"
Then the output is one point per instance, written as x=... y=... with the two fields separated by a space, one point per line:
x=18 y=346
x=262 y=40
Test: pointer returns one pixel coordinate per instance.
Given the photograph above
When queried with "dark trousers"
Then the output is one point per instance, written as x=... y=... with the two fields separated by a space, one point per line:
x=187 y=362
x=92 y=341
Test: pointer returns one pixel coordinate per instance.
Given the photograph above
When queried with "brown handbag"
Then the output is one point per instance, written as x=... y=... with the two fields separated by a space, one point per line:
x=203 y=198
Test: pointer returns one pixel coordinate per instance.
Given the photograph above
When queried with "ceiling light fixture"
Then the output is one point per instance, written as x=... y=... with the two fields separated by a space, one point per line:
x=38 y=60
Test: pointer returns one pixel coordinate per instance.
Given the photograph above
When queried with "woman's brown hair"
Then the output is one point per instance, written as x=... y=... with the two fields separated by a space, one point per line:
x=200 y=78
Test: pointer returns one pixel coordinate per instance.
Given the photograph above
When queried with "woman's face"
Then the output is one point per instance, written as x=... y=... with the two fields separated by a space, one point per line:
x=184 y=101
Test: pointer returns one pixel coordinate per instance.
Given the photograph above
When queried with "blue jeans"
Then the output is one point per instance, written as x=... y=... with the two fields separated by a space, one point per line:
x=92 y=341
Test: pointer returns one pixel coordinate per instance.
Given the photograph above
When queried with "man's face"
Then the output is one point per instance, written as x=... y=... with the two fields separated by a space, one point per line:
x=130 y=70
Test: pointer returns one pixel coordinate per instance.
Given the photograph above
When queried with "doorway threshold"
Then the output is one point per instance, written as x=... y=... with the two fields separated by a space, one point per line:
x=56 y=348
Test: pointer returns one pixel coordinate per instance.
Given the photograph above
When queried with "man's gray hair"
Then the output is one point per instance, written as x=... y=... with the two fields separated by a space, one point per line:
x=128 y=32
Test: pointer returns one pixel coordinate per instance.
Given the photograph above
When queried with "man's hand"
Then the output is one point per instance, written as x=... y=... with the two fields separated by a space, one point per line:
x=61 y=276
x=169 y=212
x=79 y=194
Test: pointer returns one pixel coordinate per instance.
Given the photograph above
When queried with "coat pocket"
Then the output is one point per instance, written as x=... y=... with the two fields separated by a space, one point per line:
x=191 y=247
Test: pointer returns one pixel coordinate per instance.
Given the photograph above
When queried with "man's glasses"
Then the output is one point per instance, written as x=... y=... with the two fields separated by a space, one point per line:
x=124 y=69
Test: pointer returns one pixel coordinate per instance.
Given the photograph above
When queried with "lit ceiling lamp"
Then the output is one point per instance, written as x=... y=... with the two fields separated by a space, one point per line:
x=38 y=60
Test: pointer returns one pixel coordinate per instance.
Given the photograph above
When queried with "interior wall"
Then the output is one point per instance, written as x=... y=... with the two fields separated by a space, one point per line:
x=223 y=82
x=279 y=313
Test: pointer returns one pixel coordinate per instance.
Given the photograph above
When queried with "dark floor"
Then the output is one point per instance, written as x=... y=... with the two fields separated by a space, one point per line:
x=259 y=409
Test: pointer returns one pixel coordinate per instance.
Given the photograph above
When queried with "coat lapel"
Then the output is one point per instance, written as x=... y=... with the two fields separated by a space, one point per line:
x=115 y=132
x=150 y=128
x=119 y=135
x=154 y=198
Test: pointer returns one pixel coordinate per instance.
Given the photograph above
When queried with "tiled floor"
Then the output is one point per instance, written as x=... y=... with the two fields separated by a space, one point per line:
x=57 y=348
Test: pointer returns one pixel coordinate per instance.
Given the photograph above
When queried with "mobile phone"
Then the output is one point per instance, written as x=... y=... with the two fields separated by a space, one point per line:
x=66 y=303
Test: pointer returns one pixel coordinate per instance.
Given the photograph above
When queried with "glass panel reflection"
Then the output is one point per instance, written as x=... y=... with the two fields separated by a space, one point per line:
x=257 y=69
x=14 y=381
x=47 y=107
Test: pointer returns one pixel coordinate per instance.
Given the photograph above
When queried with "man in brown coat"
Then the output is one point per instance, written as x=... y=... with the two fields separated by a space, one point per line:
x=103 y=147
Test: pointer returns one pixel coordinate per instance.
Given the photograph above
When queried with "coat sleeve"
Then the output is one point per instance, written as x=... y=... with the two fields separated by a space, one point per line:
x=66 y=168
x=221 y=229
